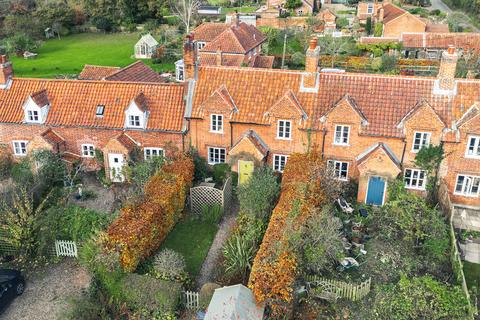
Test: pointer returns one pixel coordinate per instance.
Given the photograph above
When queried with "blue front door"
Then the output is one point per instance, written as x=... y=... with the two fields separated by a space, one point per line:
x=376 y=188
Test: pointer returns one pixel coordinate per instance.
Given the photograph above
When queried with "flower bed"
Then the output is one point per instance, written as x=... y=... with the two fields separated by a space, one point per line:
x=141 y=228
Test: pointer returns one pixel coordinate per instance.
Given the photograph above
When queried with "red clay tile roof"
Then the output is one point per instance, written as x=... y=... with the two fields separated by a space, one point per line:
x=52 y=137
x=364 y=156
x=263 y=62
x=441 y=40
x=40 y=98
x=437 y=27
x=74 y=103
x=126 y=141
x=141 y=102
x=471 y=113
x=136 y=72
x=70 y=157
x=391 y=12
x=383 y=100
x=229 y=60
x=371 y=40
x=90 y=72
x=287 y=106
x=208 y=31
x=255 y=139
x=236 y=39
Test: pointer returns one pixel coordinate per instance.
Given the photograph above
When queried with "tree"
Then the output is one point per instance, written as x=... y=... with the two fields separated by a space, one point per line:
x=335 y=46
x=293 y=4
x=20 y=43
x=185 y=10
x=342 y=23
x=19 y=220
x=368 y=26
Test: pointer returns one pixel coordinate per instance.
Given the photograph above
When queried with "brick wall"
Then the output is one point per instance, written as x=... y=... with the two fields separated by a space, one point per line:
x=405 y=23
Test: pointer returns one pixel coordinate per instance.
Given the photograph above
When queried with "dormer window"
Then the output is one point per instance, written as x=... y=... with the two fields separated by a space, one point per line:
x=36 y=107
x=370 y=8
x=100 y=111
x=342 y=135
x=33 y=116
x=136 y=114
x=134 y=122
x=420 y=140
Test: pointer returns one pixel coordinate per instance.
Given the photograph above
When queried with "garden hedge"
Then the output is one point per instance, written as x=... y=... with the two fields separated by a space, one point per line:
x=141 y=227
x=274 y=268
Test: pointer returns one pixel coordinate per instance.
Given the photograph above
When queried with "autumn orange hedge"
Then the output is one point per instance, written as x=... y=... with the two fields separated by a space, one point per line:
x=274 y=268
x=140 y=228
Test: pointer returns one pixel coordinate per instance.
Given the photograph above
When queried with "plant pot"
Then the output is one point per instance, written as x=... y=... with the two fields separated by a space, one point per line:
x=356 y=239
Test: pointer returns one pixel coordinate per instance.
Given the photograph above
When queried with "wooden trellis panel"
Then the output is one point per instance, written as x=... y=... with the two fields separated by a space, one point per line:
x=202 y=196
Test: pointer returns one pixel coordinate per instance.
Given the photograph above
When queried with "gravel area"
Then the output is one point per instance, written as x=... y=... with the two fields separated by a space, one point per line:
x=104 y=200
x=47 y=292
x=210 y=266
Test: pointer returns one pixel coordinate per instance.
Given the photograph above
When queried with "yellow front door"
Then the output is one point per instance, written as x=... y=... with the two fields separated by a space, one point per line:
x=245 y=170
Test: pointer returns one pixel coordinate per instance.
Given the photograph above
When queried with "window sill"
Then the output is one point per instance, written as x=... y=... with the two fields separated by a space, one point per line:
x=285 y=139
x=472 y=157
x=19 y=155
x=466 y=195
x=216 y=132
x=341 y=144
x=214 y=163
x=415 y=188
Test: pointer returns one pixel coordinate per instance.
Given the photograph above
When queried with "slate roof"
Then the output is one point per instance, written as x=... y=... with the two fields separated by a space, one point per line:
x=383 y=100
x=74 y=103
x=135 y=72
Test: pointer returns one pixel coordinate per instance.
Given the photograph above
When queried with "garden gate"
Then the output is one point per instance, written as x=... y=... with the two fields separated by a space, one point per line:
x=191 y=299
x=66 y=248
x=202 y=196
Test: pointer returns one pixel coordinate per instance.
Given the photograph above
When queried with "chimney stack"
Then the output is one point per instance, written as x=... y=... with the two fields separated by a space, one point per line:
x=313 y=56
x=448 y=66
x=381 y=14
x=6 y=71
x=190 y=57
x=218 y=58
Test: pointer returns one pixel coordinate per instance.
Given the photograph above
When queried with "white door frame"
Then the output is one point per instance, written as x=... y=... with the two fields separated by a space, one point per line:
x=119 y=177
x=384 y=188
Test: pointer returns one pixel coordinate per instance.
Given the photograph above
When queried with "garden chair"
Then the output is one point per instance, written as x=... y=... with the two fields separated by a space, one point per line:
x=344 y=205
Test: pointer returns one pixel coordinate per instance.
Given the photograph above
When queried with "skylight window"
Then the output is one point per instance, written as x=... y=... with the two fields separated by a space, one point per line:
x=100 y=110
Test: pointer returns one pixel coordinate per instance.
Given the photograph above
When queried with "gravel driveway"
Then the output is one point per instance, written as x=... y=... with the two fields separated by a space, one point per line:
x=47 y=293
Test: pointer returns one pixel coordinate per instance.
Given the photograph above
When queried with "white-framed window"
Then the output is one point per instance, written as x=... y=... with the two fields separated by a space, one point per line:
x=100 y=110
x=342 y=135
x=370 y=8
x=33 y=116
x=134 y=121
x=473 y=147
x=415 y=179
x=339 y=169
x=284 y=129
x=216 y=123
x=279 y=162
x=20 y=148
x=216 y=155
x=420 y=140
x=88 y=151
x=179 y=72
x=467 y=185
x=150 y=153
x=201 y=45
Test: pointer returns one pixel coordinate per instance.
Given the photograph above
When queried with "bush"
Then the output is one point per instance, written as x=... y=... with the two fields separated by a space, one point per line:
x=257 y=196
x=206 y=294
x=238 y=254
x=141 y=292
x=141 y=171
x=6 y=164
x=342 y=23
x=212 y=213
x=201 y=167
x=298 y=59
x=22 y=172
x=169 y=265
x=141 y=228
x=220 y=172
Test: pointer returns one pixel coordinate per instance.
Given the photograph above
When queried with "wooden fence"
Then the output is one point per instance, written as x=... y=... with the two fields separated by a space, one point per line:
x=191 y=300
x=202 y=196
x=65 y=248
x=330 y=289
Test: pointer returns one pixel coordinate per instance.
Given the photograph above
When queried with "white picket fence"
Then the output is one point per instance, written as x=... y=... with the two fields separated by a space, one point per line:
x=191 y=299
x=330 y=289
x=66 y=248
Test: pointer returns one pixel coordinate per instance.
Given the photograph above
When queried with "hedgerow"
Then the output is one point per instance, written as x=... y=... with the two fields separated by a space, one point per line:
x=275 y=265
x=141 y=227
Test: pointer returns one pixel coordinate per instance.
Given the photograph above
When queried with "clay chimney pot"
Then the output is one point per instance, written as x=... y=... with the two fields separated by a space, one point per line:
x=451 y=49
x=313 y=43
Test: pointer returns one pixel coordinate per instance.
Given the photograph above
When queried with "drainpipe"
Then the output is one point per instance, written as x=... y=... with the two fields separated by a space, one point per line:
x=403 y=152
x=323 y=142
x=231 y=134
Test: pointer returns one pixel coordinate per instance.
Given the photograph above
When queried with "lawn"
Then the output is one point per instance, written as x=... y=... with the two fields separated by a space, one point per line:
x=192 y=238
x=246 y=9
x=472 y=274
x=69 y=54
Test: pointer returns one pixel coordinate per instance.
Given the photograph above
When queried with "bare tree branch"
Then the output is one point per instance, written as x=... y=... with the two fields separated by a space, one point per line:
x=185 y=10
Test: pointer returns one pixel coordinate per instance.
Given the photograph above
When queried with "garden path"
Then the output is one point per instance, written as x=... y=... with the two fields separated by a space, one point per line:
x=210 y=265
x=47 y=292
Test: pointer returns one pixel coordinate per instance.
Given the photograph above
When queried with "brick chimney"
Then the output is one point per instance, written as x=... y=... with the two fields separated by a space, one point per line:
x=6 y=71
x=218 y=58
x=309 y=79
x=381 y=14
x=190 y=57
x=313 y=56
x=448 y=66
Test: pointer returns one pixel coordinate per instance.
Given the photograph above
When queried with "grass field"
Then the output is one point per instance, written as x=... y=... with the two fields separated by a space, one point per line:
x=69 y=54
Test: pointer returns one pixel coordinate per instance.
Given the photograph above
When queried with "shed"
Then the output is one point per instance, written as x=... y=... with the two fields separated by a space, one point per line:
x=234 y=302
x=146 y=47
x=209 y=10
